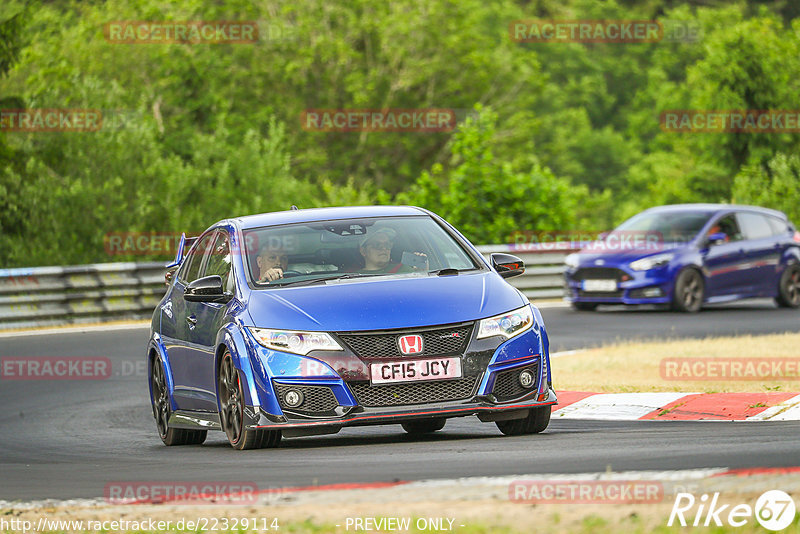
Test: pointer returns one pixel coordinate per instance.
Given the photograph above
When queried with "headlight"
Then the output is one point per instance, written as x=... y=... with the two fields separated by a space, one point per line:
x=507 y=325
x=572 y=260
x=651 y=262
x=293 y=341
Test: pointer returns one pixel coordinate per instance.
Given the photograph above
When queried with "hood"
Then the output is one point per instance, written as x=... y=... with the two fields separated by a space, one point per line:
x=612 y=256
x=381 y=303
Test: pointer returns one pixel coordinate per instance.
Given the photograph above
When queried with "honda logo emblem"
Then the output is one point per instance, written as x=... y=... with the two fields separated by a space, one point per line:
x=410 y=344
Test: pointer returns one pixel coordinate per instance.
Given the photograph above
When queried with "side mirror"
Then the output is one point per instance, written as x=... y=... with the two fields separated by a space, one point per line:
x=169 y=274
x=207 y=289
x=717 y=238
x=507 y=265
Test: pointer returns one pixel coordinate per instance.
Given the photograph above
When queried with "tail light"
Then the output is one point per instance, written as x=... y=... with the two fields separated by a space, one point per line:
x=796 y=237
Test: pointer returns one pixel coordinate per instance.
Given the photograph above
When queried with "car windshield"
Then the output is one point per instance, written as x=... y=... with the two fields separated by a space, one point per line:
x=330 y=251
x=663 y=227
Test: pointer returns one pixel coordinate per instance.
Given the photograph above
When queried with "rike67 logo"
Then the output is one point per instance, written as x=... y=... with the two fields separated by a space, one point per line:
x=774 y=510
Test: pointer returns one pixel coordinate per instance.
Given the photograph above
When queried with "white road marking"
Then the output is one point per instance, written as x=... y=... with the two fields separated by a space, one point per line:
x=788 y=410
x=617 y=406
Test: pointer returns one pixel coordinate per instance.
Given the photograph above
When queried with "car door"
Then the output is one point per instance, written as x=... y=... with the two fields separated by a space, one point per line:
x=178 y=324
x=204 y=321
x=762 y=252
x=722 y=262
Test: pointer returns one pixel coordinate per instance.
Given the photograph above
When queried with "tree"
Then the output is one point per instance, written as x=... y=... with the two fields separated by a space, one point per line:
x=490 y=200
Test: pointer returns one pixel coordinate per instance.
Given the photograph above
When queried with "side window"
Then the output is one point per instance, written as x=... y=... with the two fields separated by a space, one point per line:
x=219 y=262
x=754 y=226
x=779 y=227
x=728 y=226
x=191 y=268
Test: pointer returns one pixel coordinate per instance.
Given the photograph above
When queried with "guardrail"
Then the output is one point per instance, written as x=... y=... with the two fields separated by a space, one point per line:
x=45 y=296
x=42 y=296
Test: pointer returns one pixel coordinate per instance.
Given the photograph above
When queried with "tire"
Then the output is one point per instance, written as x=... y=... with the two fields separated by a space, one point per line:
x=789 y=287
x=425 y=426
x=231 y=411
x=536 y=421
x=585 y=306
x=689 y=291
x=160 y=401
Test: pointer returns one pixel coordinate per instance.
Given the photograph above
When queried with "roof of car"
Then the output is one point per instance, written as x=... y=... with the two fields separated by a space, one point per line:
x=714 y=208
x=324 y=214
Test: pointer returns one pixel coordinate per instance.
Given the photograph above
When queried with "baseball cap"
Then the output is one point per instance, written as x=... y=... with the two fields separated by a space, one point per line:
x=388 y=232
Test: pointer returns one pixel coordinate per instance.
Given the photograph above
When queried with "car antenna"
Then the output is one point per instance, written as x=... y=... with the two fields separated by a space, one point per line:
x=294 y=207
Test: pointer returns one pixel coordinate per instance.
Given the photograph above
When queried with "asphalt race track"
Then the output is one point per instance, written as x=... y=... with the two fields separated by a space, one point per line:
x=574 y=330
x=68 y=439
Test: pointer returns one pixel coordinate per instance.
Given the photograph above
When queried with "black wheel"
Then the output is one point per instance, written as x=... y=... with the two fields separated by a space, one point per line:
x=231 y=411
x=536 y=421
x=161 y=411
x=425 y=426
x=689 y=291
x=585 y=306
x=789 y=287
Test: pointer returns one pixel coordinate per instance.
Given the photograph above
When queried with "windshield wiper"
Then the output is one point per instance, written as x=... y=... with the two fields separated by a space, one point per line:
x=312 y=281
x=447 y=271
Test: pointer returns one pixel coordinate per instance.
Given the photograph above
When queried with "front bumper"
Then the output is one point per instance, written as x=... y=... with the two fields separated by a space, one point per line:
x=633 y=287
x=359 y=415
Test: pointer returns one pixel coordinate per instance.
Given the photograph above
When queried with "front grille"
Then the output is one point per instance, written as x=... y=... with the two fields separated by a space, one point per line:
x=507 y=386
x=440 y=341
x=600 y=273
x=414 y=393
x=602 y=294
x=317 y=400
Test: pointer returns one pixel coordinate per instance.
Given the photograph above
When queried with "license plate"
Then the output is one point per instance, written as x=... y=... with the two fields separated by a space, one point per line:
x=599 y=285
x=415 y=370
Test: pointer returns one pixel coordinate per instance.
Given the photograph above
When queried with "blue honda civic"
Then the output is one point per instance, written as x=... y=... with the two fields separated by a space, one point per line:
x=302 y=322
x=687 y=255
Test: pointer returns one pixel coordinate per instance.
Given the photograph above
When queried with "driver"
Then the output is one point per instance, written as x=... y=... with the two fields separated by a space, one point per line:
x=272 y=261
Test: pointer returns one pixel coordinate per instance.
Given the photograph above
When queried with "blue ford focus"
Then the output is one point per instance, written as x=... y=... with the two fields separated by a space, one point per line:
x=302 y=322
x=687 y=255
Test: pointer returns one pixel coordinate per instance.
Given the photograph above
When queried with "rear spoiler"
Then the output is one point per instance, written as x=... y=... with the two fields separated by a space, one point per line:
x=183 y=246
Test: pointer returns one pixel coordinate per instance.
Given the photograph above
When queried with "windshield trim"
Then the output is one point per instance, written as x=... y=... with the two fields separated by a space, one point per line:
x=479 y=263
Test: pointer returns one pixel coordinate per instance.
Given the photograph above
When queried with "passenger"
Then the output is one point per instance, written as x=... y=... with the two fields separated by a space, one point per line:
x=376 y=249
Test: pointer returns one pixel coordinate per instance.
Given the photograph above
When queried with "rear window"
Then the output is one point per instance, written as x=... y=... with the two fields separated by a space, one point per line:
x=754 y=225
x=779 y=226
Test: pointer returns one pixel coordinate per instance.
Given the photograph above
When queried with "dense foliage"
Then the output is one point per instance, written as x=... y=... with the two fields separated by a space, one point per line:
x=551 y=136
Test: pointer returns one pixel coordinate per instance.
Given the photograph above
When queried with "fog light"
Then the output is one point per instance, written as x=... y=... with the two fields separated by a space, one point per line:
x=526 y=378
x=293 y=398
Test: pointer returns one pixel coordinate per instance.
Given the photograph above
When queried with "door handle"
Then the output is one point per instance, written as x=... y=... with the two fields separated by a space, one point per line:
x=192 y=320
